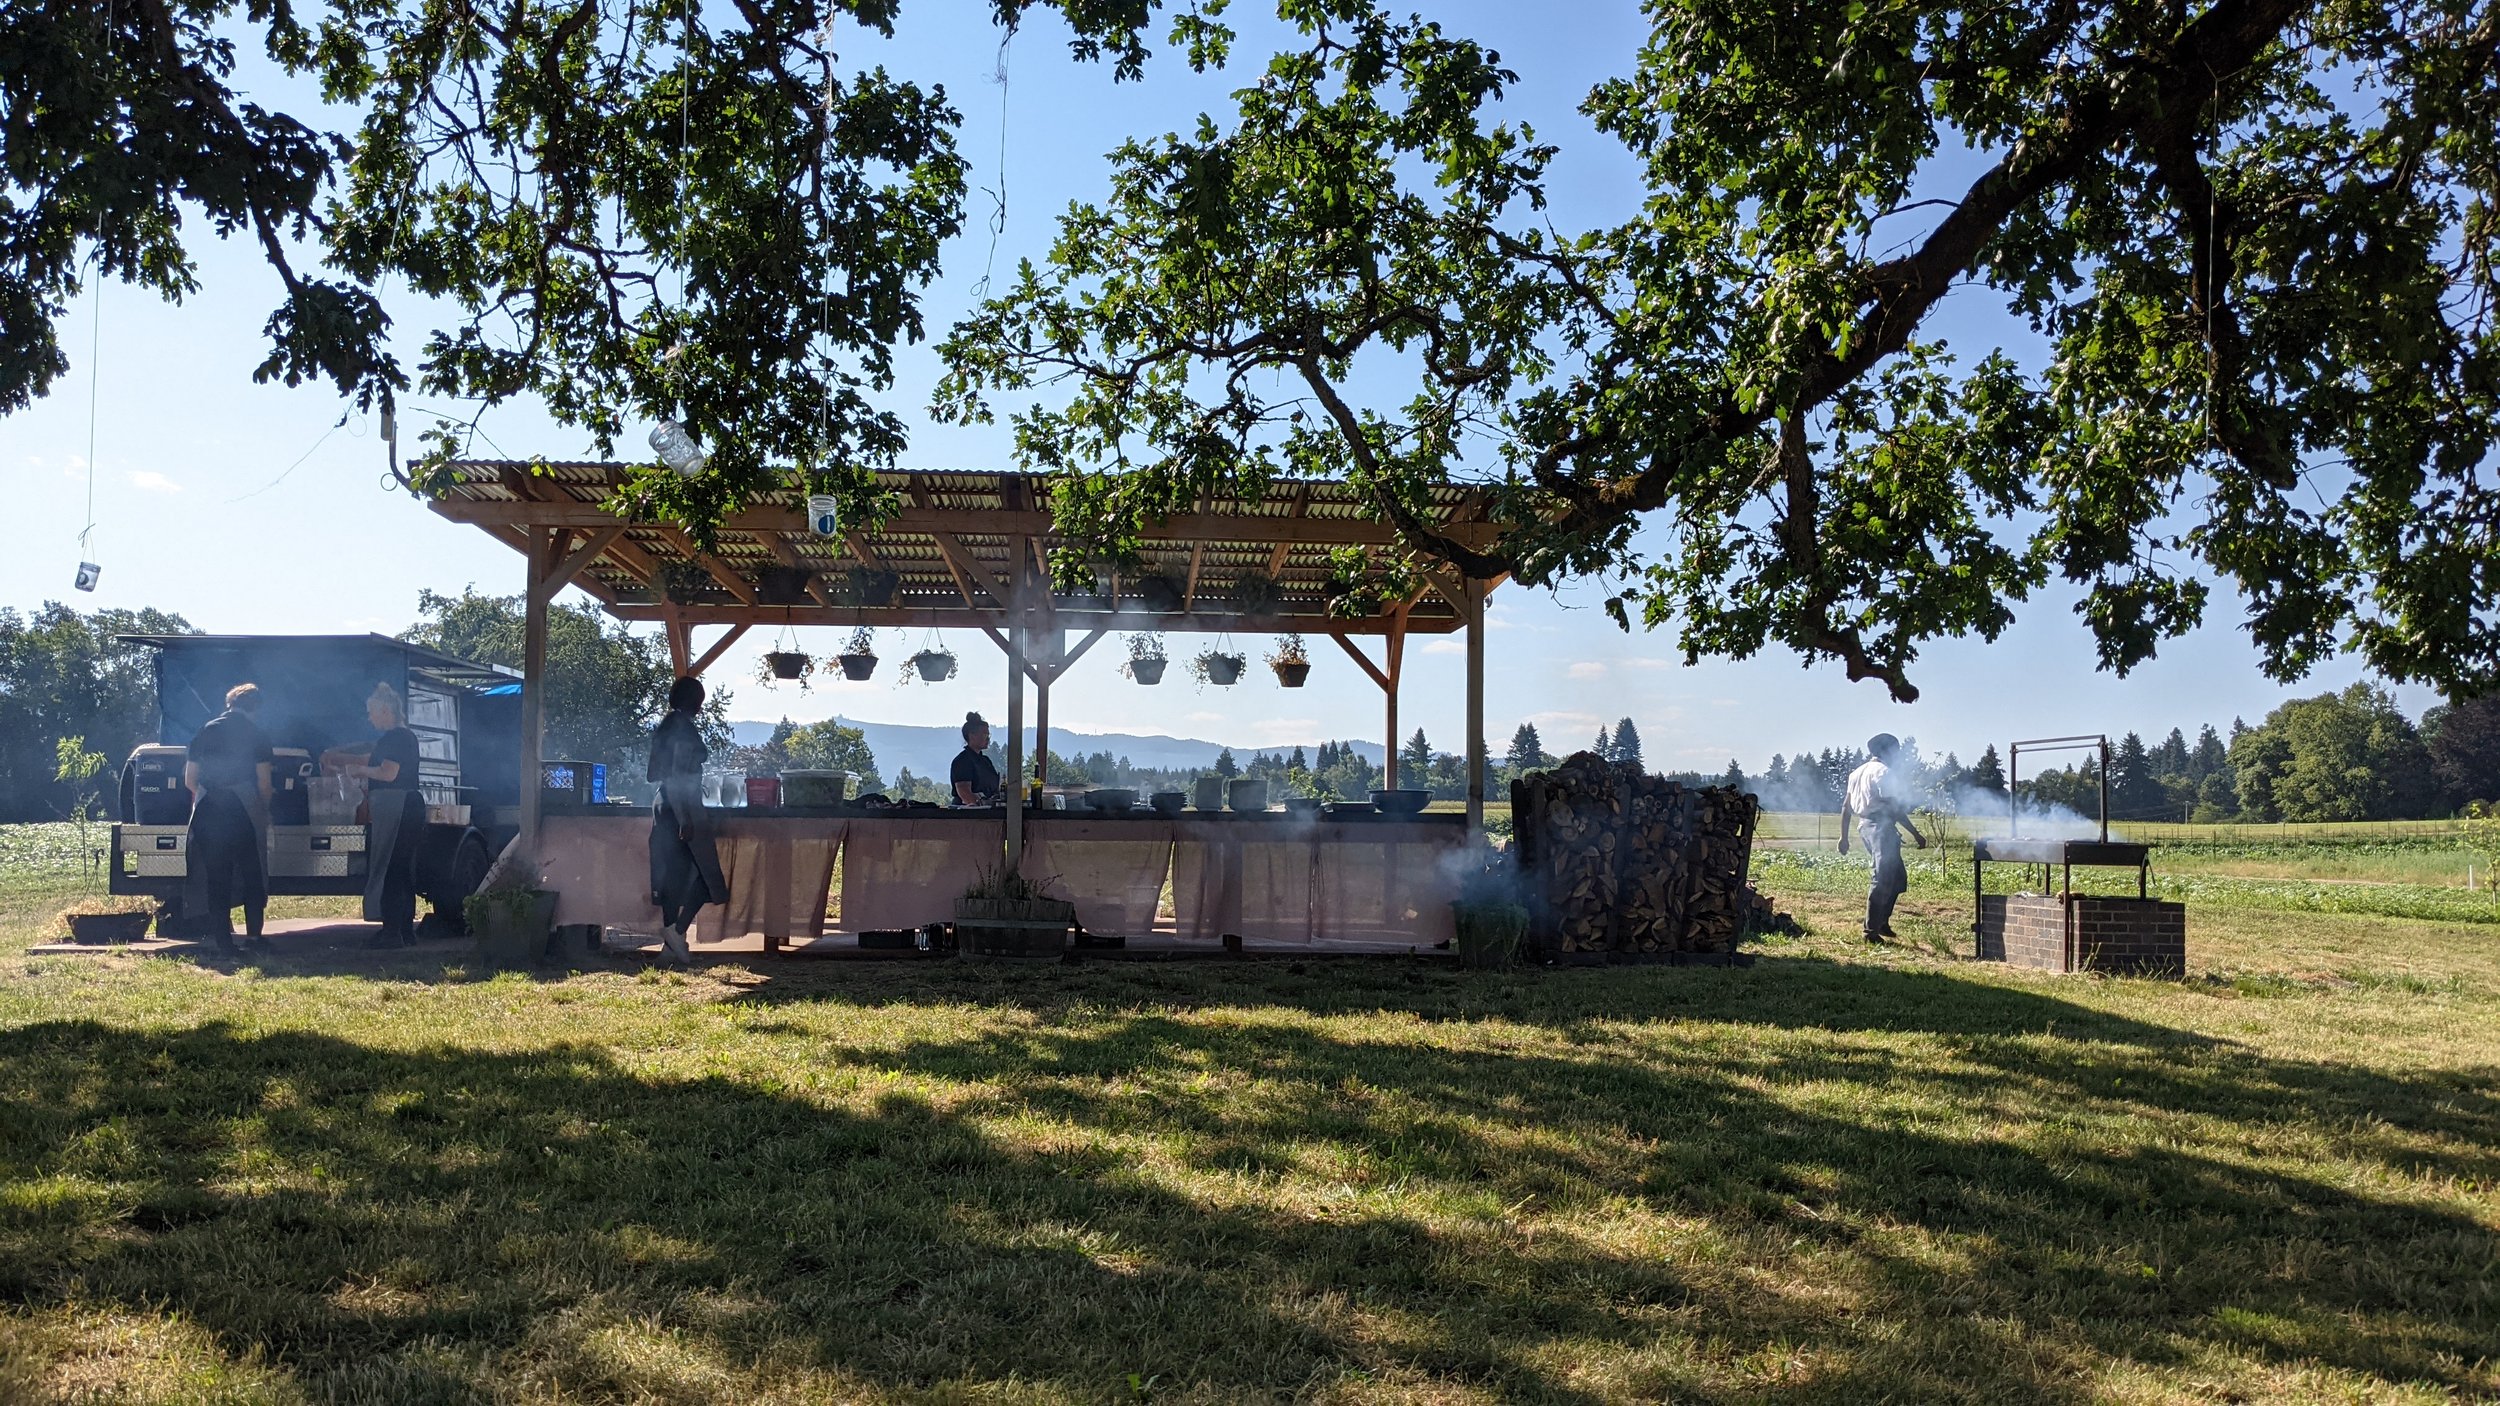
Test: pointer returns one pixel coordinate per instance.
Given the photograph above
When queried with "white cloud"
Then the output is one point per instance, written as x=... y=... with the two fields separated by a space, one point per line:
x=1278 y=732
x=1586 y=669
x=1205 y=717
x=1445 y=645
x=150 y=481
x=1645 y=661
x=1589 y=721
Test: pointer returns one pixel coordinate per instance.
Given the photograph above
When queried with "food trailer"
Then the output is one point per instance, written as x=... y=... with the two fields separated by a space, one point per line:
x=969 y=551
x=466 y=717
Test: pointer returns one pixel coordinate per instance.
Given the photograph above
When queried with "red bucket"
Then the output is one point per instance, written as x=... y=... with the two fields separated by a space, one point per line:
x=763 y=790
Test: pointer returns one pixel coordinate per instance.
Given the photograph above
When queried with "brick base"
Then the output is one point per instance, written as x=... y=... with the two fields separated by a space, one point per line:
x=2084 y=932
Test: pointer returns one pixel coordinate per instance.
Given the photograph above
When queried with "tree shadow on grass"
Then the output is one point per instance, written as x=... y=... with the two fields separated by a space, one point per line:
x=1261 y=1208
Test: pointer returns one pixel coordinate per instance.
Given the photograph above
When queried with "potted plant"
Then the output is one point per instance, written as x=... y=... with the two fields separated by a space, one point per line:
x=511 y=917
x=859 y=655
x=935 y=664
x=1146 y=659
x=1214 y=666
x=783 y=665
x=1158 y=594
x=684 y=583
x=1490 y=922
x=1005 y=914
x=864 y=585
x=1257 y=593
x=782 y=585
x=104 y=919
x=1291 y=660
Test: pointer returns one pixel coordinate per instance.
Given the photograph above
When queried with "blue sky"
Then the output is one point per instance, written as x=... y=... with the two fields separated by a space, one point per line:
x=248 y=509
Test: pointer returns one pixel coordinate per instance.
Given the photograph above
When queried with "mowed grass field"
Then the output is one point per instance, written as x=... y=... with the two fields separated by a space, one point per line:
x=1840 y=1175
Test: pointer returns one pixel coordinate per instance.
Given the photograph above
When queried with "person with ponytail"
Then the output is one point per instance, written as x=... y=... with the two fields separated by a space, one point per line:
x=685 y=862
x=397 y=820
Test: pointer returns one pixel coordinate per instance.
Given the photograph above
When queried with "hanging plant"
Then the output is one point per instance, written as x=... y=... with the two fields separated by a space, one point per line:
x=1257 y=593
x=1146 y=659
x=1158 y=594
x=867 y=586
x=684 y=583
x=1214 y=666
x=1360 y=588
x=935 y=664
x=783 y=585
x=785 y=665
x=859 y=655
x=1291 y=660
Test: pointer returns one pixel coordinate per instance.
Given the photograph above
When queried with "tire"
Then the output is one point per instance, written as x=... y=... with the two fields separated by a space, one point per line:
x=455 y=872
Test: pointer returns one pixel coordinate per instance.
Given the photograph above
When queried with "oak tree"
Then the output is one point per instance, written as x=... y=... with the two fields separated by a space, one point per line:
x=2255 y=238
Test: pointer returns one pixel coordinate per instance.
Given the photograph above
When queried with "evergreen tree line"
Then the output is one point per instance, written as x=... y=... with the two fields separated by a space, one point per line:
x=2345 y=756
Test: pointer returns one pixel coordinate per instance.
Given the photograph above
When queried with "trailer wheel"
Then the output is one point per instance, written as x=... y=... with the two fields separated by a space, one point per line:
x=452 y=883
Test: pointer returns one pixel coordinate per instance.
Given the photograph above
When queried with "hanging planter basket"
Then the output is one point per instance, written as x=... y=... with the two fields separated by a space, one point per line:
x=1147 y=671
x=864 y=586
x=783 y=585
x=857 y=667
x=787 y=664
x=1291 y=659
x=1220 y=669
x=1158 y=594
x=930 y=665
x=684 y=584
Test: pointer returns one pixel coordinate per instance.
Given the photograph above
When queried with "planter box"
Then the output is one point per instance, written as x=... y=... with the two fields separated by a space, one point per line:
x=512 y=936
x=1488 y=934
x=1016 y=929
x=109 y=927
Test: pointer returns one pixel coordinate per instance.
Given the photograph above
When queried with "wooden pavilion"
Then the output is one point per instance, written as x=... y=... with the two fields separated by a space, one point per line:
x=970 y=550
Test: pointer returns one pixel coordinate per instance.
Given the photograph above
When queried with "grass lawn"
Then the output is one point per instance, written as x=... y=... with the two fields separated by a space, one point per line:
x=1842 y=1175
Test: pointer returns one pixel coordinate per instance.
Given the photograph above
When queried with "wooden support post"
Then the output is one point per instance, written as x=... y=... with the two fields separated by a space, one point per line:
x=1053 y=643
x=545 y=553
x=680 y=643
x=1475 y=710
x=1014 y=779
x=1396 y=653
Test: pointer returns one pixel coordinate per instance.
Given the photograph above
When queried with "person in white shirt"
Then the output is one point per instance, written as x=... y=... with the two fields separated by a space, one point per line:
x=1881 y=814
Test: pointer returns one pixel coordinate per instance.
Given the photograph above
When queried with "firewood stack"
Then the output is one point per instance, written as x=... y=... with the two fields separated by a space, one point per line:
x=1617 y=861
x=1569 y=823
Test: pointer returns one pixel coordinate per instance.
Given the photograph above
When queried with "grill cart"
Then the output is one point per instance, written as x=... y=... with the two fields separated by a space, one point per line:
x=466 y=717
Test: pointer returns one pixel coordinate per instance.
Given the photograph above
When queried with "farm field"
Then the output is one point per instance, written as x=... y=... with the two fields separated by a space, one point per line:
x=1841 y=1175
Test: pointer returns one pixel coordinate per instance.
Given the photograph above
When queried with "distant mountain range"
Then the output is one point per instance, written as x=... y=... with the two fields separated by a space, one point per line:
x=928 y=750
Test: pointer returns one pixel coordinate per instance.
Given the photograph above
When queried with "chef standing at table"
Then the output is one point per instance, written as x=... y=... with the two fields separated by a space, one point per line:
x=975 y=776
x=397 y=816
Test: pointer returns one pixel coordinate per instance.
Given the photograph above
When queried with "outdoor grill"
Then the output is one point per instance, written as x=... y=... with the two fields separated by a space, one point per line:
x=2058 y=929
x=2062 y=856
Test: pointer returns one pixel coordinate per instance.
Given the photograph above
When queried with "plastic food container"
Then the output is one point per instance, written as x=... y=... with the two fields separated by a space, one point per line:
x=763 y=790
x=1249 y=793
x=815 y=788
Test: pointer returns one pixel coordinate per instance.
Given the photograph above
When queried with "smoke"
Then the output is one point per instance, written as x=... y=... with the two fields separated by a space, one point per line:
x=1984 y=815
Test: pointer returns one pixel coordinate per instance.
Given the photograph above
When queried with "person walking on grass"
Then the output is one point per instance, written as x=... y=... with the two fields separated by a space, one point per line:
x=1872 y=795
x=685 y=860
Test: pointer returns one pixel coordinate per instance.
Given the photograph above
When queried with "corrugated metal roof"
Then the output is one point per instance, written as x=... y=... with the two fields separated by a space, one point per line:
x=951 y=548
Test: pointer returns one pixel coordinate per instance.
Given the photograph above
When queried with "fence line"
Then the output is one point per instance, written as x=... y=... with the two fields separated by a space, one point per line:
x=1792 y=829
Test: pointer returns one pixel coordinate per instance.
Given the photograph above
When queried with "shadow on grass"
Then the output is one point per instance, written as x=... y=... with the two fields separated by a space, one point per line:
x=415 y=1227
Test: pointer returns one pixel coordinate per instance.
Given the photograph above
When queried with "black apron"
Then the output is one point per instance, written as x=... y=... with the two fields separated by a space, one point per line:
x=227 y=863
x=398 y=822
x=685 y=856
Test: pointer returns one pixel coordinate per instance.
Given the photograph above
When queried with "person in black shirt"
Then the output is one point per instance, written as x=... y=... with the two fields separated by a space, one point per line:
x=975 y=775
x=397 y=811
x=227 y=769
x=685 y=862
